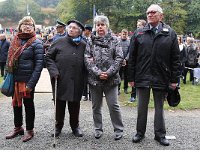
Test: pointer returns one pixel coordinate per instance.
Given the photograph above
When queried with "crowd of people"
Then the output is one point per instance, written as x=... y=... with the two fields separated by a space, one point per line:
x=91 y=62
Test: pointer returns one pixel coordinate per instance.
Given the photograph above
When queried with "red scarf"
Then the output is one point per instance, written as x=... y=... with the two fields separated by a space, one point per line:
x=16 y=48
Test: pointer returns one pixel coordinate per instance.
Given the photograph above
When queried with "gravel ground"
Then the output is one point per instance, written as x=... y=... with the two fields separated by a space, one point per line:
x=184 y=125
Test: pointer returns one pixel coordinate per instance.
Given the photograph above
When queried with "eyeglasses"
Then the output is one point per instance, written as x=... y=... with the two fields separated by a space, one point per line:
x=151 y=12
x=28 y=25
x=73 y=28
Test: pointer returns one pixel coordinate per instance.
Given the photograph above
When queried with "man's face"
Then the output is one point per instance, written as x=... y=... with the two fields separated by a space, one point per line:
x=60 y=29
x=153 y=16
x=87 y=32
x=73 y=30
x=124 y=35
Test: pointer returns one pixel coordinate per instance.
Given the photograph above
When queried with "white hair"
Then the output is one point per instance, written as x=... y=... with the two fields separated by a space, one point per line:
x=102 y=19
x=157 y=7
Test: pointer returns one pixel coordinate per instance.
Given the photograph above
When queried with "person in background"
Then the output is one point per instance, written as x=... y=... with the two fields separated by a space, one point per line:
x=65 y=63
x=183 y=57
x=153 y=65
x=140 y=24
x=25 y=61
x=103 y=59
x=87 y=37
x=4 y=46
x=60 y=28
x=124 y=42
x=192 y=61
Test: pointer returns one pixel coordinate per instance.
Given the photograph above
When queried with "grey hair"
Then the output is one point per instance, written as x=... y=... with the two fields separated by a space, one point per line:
x=103 y=19
x=158 y=8
x=25 y=19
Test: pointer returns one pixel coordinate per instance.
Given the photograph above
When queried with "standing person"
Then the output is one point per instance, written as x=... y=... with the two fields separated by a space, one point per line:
x=60 y=28
x=153 y=65
x=4 y=46
x=103 y=59
x=123 y=72
x=65 y=63
x=192 y=61
x=183 y=56
x=25 y=61
x=140 y=24
x=87 y=37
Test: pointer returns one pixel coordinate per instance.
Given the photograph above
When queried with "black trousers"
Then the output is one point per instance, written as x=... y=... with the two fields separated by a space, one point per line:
x=123 y=72
x=73 y=108
x=29 y=113
x=2 y=65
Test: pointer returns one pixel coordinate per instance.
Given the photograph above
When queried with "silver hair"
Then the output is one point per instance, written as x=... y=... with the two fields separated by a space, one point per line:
x=158 y=8
x=103 y=19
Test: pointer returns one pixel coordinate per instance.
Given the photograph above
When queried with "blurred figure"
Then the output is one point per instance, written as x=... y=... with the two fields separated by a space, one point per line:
x=4 y=46
x=141 y=23
x=191 y=62
x=60 y=28
x=87 y=37
x=123 y=72
x=183 y=56
x=25 y=61
x=103 y=58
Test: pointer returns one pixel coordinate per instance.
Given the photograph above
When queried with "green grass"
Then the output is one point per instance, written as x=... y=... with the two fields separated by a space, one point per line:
x=190 y=98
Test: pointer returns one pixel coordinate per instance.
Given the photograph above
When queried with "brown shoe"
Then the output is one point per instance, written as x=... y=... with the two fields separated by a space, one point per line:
x=17 y=131
x=29 y=135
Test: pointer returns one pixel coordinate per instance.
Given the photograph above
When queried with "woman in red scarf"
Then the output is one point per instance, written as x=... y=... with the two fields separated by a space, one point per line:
x=25 y=61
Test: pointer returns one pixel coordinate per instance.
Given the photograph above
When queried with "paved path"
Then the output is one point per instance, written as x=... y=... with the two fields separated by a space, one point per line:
x=44 y=84
x=184 y=125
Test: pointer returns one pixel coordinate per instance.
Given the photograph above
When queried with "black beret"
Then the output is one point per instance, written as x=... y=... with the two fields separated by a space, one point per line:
x=78 y=23
x=88 y=27
x=173 y=97
x=60 y=23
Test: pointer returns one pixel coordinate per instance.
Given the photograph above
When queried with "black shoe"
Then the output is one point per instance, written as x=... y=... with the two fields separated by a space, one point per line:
x=137 y=138
x=118 y=136
x=57 y=132
x=77 y=132
x=98 y=134
x=162 y=141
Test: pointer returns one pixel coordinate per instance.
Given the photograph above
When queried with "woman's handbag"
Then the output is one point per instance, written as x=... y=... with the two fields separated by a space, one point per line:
x=7 y=87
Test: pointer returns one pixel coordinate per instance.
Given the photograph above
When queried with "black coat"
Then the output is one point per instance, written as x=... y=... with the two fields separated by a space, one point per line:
x=30 y=64
x=66 y=59
x=4 y=46
x=154 y=60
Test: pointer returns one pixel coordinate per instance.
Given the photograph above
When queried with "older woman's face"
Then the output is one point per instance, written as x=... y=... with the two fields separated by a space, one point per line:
x=27 y=27
x=73 y=30
x=101 y=29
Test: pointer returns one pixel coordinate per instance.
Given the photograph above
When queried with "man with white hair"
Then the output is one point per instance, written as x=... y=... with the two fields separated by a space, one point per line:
x=153 y=65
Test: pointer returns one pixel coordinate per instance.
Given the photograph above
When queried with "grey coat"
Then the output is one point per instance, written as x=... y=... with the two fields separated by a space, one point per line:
x=103 y=55
x=65 y=59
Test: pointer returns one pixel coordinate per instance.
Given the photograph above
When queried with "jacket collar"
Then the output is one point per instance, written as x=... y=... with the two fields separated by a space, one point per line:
x=162 y=28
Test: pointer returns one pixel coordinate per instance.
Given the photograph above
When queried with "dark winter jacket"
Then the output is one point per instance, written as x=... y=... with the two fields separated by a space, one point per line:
x=4 y=46
x=30 y=64
x=66 y=60
x=154 y=60
x=191 y=56
x=103 y=55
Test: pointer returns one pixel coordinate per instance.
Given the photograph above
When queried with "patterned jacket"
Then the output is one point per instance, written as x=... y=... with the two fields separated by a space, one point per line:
x=103 y=55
